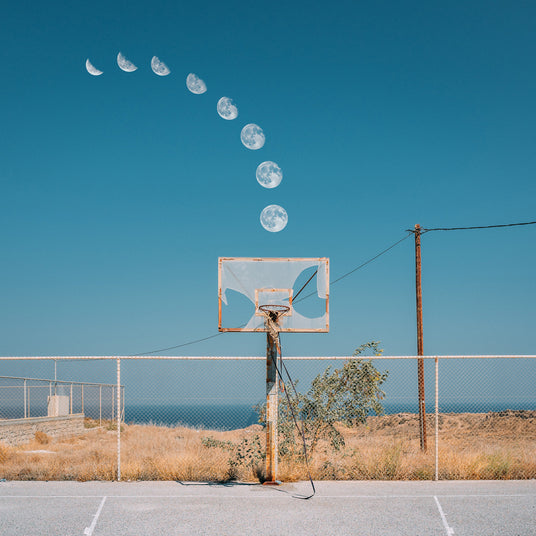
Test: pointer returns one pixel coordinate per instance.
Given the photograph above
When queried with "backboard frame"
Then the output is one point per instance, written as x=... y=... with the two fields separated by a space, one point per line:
x=323 y=263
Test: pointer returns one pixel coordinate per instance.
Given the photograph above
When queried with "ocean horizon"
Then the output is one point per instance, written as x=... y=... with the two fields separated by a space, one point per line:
x=241 y=415
x=233 y=416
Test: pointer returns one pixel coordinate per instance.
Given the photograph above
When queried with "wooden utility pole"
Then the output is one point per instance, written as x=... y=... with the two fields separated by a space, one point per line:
x=420 y=364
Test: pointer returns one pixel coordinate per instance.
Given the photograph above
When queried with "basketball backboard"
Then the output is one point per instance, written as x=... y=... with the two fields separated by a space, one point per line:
x=246 y=283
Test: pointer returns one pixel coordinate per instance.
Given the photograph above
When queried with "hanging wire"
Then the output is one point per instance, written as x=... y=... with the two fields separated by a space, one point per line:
x=272 y=325
x=362 y=265
x=424 y=230
x=308 y=281
x=180 y=345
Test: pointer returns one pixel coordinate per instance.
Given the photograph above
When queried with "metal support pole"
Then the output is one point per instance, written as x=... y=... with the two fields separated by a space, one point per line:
x=82 y=397
x=100 y=405
x=436 y=418
x=71 y=401
x=420 y=364
x=272 y=394
x=118 y=419
x=25 y=401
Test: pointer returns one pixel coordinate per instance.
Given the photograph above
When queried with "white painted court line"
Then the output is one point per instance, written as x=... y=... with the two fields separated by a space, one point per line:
x=263 y=496
x=449 y=530
x=89 y=530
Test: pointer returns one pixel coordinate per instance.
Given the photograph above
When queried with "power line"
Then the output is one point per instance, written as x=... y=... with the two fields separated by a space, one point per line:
x=474 y=227
x=180 y=345
x=305 y=297
x=362 y=265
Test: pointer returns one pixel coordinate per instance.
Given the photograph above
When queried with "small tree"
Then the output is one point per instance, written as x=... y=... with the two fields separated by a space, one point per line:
x=340 y=396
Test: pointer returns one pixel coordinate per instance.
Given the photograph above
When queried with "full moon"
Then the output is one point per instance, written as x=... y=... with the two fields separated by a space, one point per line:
x=124 y=64
x=91 y=69
x=159 y=67
x=195 y=84
x=252 y=137
x=274 y=218
x=227 y=108
x=269 y=174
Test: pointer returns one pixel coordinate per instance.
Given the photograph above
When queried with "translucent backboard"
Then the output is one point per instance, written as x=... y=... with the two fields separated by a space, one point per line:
x=301 y=284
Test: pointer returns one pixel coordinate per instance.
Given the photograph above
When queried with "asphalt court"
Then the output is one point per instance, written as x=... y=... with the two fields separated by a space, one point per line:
x=484 y=508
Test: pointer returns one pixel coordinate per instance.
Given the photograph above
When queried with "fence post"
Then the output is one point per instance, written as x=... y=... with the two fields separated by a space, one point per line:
x=436 y=418
x=25 y=410
x=100 y=405
x=82 y=397
x=118 y=419
x=71 y=401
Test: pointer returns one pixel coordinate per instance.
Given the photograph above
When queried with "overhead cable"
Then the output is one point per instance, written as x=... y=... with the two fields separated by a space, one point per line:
x=294 y=301
x=362 y=265
x=424 y=230
x=180 y=345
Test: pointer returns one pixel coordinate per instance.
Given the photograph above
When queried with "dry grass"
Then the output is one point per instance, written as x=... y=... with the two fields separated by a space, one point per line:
x=471 y=446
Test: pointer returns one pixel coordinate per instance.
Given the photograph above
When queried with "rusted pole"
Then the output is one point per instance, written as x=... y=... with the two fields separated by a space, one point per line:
x=272 y=389
x=420 y=364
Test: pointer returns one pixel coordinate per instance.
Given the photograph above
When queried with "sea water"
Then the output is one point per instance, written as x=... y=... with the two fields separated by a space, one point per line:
x=235 y=416
x=231 y=416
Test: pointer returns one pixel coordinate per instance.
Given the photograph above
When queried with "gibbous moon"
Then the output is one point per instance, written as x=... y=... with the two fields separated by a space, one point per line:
x=227 y=108
x=195 y=84
x=124 y=64
x=274 y=218
x=91 y=69
x=159 y=67
x=269 y=174
x=252 y=137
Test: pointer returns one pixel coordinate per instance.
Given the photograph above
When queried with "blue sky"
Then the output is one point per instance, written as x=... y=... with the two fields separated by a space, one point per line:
x=120 y=192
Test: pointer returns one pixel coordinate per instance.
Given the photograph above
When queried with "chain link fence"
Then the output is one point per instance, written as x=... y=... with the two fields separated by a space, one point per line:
x=185 y=418
x=26 y=398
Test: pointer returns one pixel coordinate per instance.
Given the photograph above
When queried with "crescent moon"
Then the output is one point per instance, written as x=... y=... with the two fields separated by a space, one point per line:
x=91 y=69
x=159 y=67
x=124 y=64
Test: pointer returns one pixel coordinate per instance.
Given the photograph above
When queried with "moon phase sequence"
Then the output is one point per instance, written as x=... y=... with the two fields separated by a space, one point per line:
x=252 y=137
x=274 y=218
x=124 y=64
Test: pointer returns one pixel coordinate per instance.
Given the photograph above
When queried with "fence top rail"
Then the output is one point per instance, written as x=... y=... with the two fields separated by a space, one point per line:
x=258 y=358
x=45 y=380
